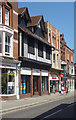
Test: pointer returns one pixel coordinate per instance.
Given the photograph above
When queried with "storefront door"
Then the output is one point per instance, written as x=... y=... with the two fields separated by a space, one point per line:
x=35 y=85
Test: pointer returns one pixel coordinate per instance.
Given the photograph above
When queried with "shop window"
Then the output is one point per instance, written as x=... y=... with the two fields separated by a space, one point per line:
x=35 y=84
x=25 y=84
x=0 y=15
x=44 y=83
x=8 y=81
x=7 y=45
x=6 y=17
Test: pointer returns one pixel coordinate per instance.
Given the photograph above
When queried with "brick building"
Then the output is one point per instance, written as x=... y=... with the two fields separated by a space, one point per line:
x=53 y=37
x=9 y=50
x=67 y=64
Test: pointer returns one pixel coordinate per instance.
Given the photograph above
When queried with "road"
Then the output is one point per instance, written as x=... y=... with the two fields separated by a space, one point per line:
x=64 y=108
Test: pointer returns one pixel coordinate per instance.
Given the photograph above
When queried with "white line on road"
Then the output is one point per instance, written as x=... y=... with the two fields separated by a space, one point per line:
x=52 y=114
x=70 y=105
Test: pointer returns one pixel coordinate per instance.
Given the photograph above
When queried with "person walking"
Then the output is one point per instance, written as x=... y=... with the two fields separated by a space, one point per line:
x=67 y=90
x=62 y=90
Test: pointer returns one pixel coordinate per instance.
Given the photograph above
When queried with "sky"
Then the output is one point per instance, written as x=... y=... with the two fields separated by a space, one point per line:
x=59 y=14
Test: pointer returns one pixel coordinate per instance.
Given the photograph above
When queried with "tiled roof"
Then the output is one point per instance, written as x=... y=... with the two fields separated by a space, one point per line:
x=28 y=32
x=34 y=20
x=21 y=10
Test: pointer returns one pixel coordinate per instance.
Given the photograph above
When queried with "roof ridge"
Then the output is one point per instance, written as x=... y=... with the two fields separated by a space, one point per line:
x=37 y=15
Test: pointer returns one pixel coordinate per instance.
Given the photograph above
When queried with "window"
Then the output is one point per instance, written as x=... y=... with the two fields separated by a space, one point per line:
x=54 y=41
x=49 y=38
x=31 y=47
x=57 y=43
x=0 y=43
x=25 y=84
x=0 y=14
x=48 y=52
x=40 y=49
x=53 y=58
x=7 y=45
x=6 y=17
x=44 y=84
x=8 y=81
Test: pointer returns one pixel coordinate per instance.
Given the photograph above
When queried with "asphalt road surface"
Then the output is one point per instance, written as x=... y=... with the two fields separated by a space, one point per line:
x=64 y=108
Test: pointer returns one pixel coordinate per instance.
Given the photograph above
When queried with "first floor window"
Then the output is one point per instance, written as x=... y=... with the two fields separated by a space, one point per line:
x=7 y=45
x=31 y=49
x=53 y=58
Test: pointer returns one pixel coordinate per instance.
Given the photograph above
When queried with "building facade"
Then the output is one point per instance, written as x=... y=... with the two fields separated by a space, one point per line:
x=67 y=64
x=9 y=50
x=53 y=37
x=35 y=54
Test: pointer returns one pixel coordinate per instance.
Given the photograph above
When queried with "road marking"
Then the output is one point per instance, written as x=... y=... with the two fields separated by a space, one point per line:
x=70 y=105
x=52 y=114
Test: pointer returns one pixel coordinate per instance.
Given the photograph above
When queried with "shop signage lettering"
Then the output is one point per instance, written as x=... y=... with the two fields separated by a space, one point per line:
x=54 y=77
x=62 y=75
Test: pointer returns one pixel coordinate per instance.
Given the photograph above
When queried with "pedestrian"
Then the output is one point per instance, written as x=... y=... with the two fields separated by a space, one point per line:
x=66 y=90
x=62 y=90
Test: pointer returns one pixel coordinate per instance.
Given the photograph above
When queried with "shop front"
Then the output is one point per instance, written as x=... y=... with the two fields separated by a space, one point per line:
x=44 y=81
x=9 y=79
x=33 y=82
x=25 y=84
x=54 y=83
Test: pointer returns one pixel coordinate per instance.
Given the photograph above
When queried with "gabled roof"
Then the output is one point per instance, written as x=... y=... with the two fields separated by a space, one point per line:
x=35 y=20
x=28 y=32
x=21 y=10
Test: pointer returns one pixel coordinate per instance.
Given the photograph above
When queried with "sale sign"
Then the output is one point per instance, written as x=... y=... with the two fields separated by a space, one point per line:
x=62 y=75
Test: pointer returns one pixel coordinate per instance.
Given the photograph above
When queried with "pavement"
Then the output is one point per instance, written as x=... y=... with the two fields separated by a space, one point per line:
x=14 y=105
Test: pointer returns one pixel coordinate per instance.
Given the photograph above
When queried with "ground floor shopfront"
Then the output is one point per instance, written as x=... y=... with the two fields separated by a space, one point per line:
x=54 y=83
x=9 y=88
x=67 y=83
x=33 y=82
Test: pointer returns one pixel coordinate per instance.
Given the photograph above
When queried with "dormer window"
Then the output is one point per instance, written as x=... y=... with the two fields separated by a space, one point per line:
x=0 y=15
x=6 y=17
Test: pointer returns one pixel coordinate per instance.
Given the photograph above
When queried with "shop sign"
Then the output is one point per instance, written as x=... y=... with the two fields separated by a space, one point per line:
x=62 y=75
x=11 y=84
x=54 y=77
x=36 y=72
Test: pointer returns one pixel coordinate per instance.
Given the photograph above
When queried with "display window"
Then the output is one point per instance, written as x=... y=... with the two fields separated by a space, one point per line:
x=25 y=84
x=7 y=81
x=44 y=83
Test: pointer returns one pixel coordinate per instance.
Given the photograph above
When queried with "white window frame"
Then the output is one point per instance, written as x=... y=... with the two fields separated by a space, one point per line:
x=8 y=53
x=8 y=17
x=49 y=37
x=1 y=14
